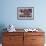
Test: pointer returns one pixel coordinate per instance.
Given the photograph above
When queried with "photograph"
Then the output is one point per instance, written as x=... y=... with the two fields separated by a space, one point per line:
x=25 y=13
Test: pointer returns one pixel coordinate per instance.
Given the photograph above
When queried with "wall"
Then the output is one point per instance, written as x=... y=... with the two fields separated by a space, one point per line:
x=8 y=13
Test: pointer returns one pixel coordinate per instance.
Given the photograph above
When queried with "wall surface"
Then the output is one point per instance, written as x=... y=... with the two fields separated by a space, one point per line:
x=9 y=13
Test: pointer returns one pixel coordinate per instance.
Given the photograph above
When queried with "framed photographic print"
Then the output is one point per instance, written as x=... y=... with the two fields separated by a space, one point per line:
x=25 y=13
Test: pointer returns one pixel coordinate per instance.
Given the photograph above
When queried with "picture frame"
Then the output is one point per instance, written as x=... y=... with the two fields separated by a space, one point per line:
x=25 y=13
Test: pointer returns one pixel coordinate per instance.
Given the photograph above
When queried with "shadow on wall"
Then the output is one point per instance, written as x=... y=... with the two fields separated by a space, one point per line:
x=2 y=26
